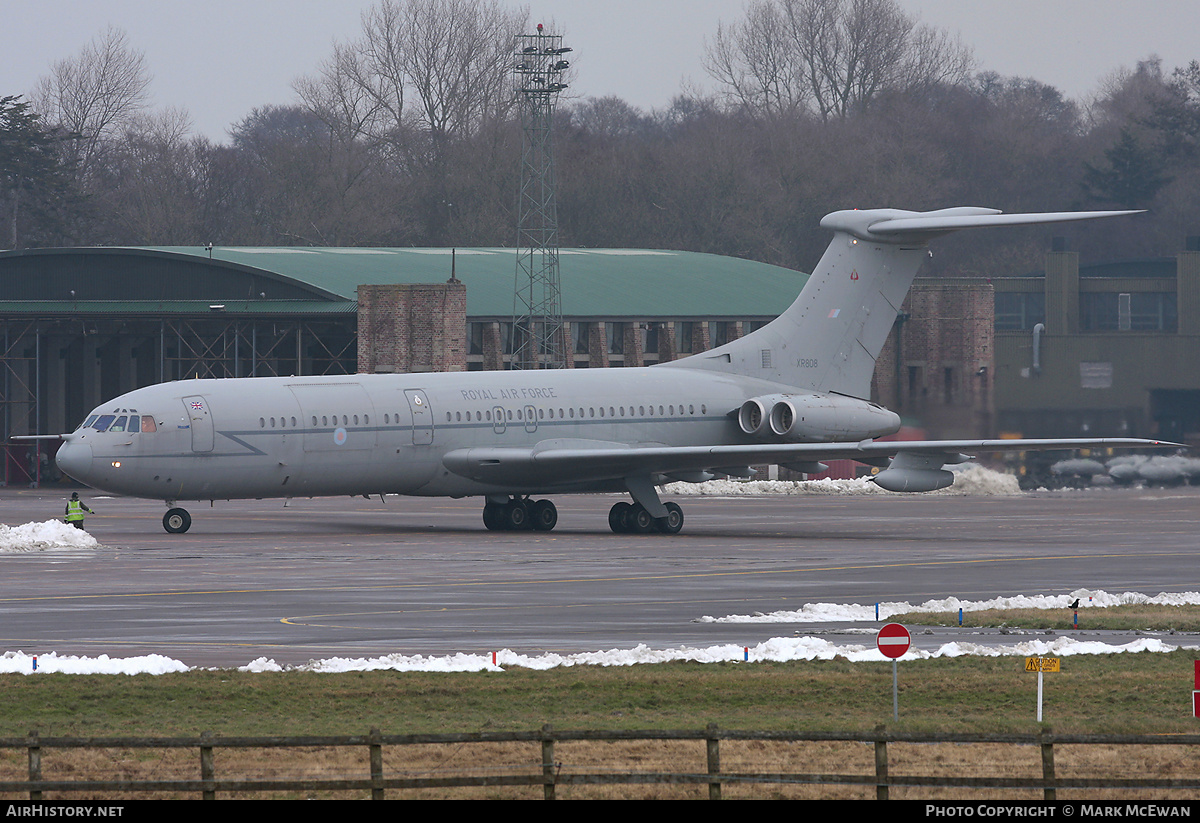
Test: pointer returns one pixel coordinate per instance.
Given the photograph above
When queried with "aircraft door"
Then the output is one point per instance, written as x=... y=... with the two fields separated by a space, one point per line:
x=530 y=419
x=499 y=424
x=422 y=417
x=201 y=423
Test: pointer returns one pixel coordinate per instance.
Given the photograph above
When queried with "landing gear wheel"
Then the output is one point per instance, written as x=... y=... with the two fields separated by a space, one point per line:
x=516 y=515
x=493 y=517
x=673 y=522
x=543 y=516
x=177 y=521
x=640 y=521
x=618 y=515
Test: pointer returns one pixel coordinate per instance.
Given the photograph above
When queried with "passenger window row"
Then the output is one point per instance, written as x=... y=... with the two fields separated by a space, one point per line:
x=588 y=413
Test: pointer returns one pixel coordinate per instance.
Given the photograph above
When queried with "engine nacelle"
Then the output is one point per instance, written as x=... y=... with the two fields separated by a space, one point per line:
x=814 y=418
x=752 y=415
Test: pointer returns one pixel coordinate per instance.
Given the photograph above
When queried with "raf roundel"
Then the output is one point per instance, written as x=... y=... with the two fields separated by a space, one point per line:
x=339 y=436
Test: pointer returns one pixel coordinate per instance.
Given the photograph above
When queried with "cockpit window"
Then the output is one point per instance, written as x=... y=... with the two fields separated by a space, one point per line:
x=91 y=419
x=119 y=426
x=103 y=422
x=148 y=424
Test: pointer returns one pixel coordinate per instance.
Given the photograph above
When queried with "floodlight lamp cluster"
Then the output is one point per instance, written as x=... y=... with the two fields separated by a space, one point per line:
x=535 y=72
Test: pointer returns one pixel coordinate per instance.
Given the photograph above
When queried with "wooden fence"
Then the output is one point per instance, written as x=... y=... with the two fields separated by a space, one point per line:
x=550 y=773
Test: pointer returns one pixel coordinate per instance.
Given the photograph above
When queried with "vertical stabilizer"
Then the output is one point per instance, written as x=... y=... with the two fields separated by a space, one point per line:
x=829 y=338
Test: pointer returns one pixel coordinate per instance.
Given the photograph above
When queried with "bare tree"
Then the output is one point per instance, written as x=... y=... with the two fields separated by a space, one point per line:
x=834 y=56
x=457 y=55
x=95 y=93
x=437 y=66
x=755 y=62
x=345 y=96
x=425 y=77
x=155 y=181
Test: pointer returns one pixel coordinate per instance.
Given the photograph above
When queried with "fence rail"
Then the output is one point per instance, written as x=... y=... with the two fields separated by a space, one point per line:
x=549 y=773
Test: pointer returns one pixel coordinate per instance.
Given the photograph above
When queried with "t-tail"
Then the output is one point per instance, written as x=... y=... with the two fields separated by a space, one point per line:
x=829 y=338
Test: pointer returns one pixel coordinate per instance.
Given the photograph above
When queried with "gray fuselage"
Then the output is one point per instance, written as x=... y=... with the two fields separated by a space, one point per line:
x=373 y=434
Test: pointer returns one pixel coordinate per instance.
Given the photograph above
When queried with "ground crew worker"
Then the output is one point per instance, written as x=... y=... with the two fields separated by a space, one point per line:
x=75 y=511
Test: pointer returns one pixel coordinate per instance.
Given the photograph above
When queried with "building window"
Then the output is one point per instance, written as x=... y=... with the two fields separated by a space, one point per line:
x=475 y=338
x=685 y=331
x=1019 y=311
x=580 y=332
x=718 y=333
x=650 y=338
x=616 y=337
x=1139 y=311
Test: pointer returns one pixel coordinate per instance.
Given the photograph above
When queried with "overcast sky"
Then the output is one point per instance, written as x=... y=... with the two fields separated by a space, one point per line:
x=218 y=59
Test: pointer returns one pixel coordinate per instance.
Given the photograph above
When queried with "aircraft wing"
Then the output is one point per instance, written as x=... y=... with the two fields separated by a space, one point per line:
x=559 y=462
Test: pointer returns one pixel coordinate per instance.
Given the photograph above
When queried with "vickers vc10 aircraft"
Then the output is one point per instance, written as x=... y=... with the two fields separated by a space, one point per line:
x=795 y=393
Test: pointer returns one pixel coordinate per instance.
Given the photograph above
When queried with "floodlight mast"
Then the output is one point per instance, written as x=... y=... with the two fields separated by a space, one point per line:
x=538 y=339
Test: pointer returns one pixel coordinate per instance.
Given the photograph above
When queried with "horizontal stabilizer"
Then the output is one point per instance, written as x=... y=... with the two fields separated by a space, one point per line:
x=897 y=225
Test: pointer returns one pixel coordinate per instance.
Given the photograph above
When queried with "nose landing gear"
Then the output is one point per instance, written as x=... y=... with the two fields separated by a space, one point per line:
x=177 y=521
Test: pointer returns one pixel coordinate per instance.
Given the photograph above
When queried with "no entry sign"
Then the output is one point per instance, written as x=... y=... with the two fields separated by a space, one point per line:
x=893 y=640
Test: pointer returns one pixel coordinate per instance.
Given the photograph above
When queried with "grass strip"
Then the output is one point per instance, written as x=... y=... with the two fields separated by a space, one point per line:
x=1145 y=692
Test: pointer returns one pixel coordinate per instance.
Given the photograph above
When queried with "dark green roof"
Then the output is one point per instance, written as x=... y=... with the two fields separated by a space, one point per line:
x=595 y=282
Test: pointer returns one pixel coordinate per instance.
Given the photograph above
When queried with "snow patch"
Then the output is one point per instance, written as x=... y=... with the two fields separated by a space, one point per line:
x=45 y=536
x=855 y=613
x=21 y=663
x=777 y=649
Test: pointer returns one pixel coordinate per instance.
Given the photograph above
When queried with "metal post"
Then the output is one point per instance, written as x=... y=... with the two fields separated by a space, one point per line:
x=896 y=693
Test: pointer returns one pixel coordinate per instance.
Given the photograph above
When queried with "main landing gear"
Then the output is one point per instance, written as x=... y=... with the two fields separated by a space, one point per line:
x=518 y=514
x=632 y=518
x=521 y=514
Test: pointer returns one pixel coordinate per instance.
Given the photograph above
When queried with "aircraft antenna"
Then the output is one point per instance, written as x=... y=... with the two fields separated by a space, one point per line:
x=537 y=341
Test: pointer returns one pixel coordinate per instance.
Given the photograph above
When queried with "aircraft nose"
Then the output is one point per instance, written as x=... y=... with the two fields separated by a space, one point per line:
x=75 y=460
